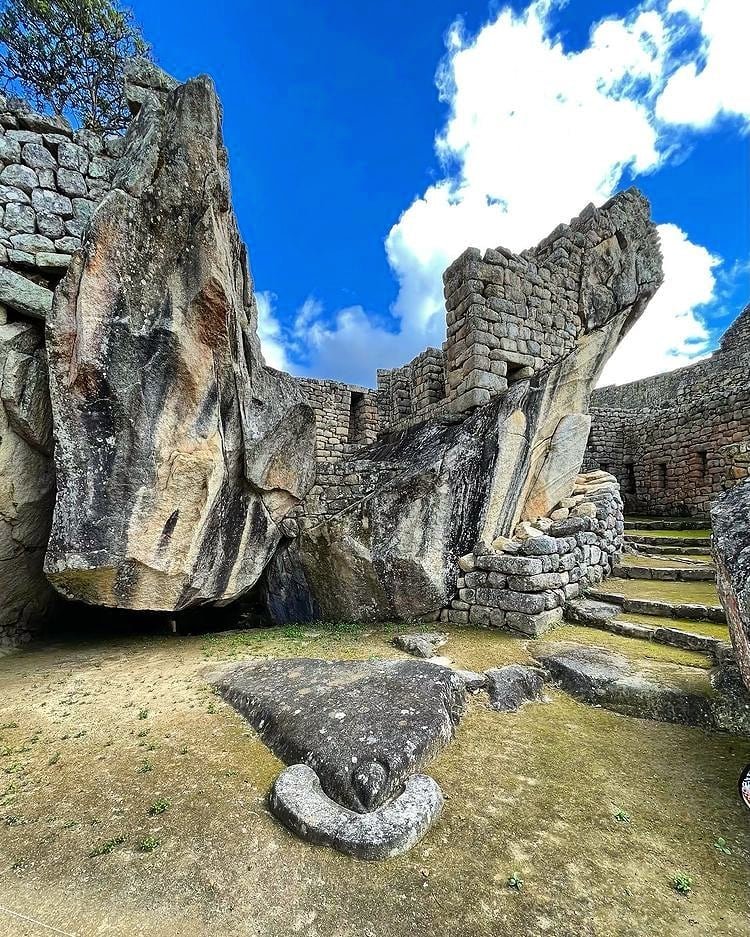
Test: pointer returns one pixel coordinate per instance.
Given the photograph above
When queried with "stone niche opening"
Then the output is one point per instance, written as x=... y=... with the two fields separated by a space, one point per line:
x=356 y=431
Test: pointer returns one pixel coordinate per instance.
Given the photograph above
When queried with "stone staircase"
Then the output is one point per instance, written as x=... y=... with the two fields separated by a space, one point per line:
x=663 y=589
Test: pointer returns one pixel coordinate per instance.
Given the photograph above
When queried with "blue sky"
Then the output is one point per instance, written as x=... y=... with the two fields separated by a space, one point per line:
x=332 y=111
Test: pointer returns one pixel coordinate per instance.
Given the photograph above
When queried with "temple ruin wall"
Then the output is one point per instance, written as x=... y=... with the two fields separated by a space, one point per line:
x=677 y=440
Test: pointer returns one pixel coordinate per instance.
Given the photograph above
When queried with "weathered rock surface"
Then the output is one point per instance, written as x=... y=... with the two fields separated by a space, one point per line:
x=512 y=686
x=23 y=296
x=362 y=726
x=300 y=803
x=585 y=611
x=428 y=493
x=730 y=518
x=661 y=691
x=178 y=452
x=27 y=481
x=421 y=645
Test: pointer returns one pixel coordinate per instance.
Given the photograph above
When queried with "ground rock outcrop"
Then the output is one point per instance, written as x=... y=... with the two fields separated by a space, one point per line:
x=730 y=518
x=178 y=452
x=364 y=727
x=27 y=481
x=385 y=542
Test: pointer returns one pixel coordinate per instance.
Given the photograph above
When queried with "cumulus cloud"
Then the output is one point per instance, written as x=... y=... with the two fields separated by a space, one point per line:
x=695 y=94
x=669 y=331
x=534 y=133
x=270 y=332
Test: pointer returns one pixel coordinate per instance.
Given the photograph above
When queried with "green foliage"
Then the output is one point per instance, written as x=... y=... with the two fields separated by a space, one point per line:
x=722 y=846
x=69 y=56
x=148 y=844
x=159 y=806
x=515 y=881
x=622 y=817
x=143 y=714
x=145 y=767
x=103 y=849
x=682 y=883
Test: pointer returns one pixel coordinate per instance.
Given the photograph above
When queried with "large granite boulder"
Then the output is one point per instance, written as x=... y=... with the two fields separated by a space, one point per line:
x=426 y=495
x=27 y=482
x=178 y=452
x=363 y=727
x=730 y=518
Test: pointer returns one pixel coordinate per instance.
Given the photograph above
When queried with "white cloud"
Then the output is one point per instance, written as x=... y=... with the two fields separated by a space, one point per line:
x=269 y=332
x=533 y=134
x=669 y=333
x=695 y=95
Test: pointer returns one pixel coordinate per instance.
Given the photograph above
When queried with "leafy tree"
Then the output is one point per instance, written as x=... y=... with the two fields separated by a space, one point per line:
x=69 y=56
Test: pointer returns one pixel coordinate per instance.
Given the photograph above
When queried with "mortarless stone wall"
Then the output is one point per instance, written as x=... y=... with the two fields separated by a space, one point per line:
x=677 y=440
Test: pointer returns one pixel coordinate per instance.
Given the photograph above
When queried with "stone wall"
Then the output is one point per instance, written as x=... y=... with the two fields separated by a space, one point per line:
x=51 y=179
x=347 y=417
x=522 y=584
x=677 y=440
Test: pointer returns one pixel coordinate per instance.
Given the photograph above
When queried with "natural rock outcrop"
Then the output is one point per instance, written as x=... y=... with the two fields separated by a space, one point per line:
x=512 y=686
x=178 y=452
x=421 y=645
x=385 y=542
x=730 y=518
x=27 y=481
x=649 y=690
x=363 y=726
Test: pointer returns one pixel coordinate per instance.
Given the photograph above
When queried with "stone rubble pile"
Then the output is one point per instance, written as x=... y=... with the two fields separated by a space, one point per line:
x=522 y=583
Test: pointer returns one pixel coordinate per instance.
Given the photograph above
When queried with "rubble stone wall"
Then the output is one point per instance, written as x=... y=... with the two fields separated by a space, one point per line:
x=347 y=417
x=677 y=440
x=523 y=585
x=51 y=179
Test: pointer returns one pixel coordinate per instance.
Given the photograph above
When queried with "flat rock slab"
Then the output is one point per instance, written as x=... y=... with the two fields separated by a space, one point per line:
x=512 y=686
x=363 y=726
x=299 y=801
x=604 y=678
x=585 y=611
x=421 y=645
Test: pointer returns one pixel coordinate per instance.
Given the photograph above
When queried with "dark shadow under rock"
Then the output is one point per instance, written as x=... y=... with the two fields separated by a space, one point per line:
x=512 y=686
x=362 y=726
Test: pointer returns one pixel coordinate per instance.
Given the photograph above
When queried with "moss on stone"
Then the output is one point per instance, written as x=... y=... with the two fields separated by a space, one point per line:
x=654 y=561
x=675 y=593
x=635 y=534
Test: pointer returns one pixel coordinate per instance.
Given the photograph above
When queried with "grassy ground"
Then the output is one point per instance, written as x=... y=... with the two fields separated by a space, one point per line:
x=132 y=802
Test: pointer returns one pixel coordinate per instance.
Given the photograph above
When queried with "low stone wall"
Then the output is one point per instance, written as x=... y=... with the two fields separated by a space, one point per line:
x=675 y=441
x=522 y=585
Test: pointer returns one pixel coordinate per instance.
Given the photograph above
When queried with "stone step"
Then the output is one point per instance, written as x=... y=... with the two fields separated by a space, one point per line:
x=673 y=593
x=654 y=607
x=666 y=549
x=698 y=560
x=661 y=523
x=662 y=540
x=665 y=573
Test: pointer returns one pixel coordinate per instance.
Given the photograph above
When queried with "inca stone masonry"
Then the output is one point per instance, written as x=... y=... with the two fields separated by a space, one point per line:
x=149 y=459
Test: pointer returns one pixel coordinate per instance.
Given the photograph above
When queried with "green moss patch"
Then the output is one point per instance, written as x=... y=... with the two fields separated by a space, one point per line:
x=675 y=593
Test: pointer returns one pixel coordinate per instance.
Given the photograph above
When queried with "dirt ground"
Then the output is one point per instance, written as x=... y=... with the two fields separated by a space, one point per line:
x=132 y=802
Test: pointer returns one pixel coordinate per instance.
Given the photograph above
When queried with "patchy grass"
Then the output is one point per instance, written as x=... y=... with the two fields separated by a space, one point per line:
x=529 y=796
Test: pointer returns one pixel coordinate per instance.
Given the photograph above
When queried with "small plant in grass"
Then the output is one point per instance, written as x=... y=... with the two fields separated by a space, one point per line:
x=54 y=759
x=682 y=883
x=722 y=846
x=515 y=881
x=143 y=714
x=9 y=725
x=148 y=844
x=294 y=633
x=159 y=806
x=145 y=767
x=141 y=733
x=12 y=820
x=622 y=817
x=183 y=750
x=104 y=849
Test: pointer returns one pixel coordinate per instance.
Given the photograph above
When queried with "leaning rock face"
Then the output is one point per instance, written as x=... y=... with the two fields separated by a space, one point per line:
x=27 y=481
x=730 y=518
x=177 y=452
